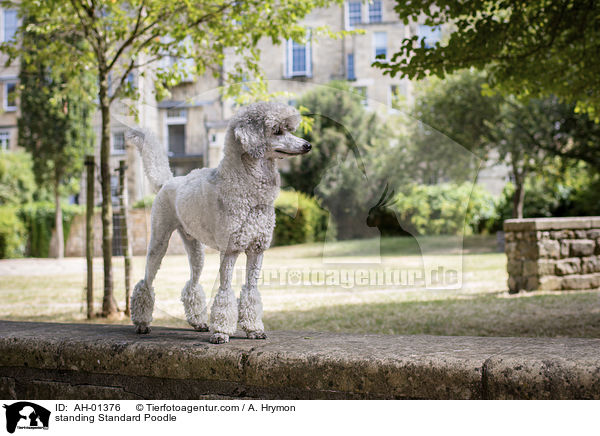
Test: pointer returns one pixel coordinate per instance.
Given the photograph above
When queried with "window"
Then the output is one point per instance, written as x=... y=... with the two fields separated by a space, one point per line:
x=4 y=139
x=354 y=14
x=118 y=145
x=114 y=192
x=10 y=24
x=429 y=35
x=176 y=139
x=177 y=113
x=362 y=90
x=298 y=61
x=350 y=74
x=380 y=44
x=130 y=79
x=10 y=96
x=375 y=12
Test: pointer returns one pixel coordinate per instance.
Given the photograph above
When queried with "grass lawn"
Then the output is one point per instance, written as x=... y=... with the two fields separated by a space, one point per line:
x=307 y=292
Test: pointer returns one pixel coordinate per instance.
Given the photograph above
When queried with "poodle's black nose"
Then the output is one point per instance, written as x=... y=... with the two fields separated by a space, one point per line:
x=307 y=146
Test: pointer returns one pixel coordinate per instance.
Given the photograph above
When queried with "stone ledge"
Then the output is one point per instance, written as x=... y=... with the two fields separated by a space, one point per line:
x=530 y=224
x=76 y=361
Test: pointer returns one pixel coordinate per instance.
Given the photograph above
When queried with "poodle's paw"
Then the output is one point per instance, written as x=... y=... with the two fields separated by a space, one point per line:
x=142 y=329
x=257 y=334
x=201 y=327
x=219 y=338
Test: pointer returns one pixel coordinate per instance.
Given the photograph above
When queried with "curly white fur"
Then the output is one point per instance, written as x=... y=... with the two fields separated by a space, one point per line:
x=142 y=306
x=229 y=208
x=194 y=305
x=156 y=162
x=250 y=310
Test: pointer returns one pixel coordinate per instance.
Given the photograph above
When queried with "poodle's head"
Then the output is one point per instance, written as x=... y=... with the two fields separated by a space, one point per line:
x=264 y=130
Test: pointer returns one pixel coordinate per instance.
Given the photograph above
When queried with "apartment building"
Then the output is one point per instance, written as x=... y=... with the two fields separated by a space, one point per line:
x=192 y=122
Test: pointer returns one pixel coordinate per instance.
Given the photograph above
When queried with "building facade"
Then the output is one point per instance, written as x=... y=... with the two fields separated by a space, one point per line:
x=192 y=122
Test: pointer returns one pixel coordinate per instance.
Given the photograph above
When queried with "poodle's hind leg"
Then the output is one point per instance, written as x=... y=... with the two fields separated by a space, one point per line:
x=192 y=295
x=142 y=298
x=250 y=305
x=224 y=313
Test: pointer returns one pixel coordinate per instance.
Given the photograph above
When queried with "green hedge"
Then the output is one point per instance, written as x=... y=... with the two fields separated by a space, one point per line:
x=445 y=209
x=299 y=219
x=12 y=233
x=38 y=220
x=144 y=203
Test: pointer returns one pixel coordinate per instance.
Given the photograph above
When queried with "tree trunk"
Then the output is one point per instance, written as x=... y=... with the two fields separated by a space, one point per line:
x=58 y=222
x=89 y=233
x=109 y=305
x=519 y=196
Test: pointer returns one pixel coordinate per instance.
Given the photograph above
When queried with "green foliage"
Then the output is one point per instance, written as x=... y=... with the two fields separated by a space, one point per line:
x=144 y=203
x=458 y=110
x=352 y=160
x=341 y=128
x=38 y=219
x=55 y=128
x=299 y=219
x=119 y=37
x=444 y=209
x=523 y=135
x=574 y=191
x=532 y=48
x=12 y=233
x=17 y=183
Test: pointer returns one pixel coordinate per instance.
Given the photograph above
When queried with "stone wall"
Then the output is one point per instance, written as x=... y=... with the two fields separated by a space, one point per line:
x=90 y=361
x=553 y=253
x=139 y=231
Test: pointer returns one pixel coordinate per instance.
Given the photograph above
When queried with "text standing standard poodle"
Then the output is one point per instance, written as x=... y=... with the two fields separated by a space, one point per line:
x=229 y=208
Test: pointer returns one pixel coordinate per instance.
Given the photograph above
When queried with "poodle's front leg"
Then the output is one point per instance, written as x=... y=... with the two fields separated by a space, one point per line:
x=250 y=305
x=224 y=314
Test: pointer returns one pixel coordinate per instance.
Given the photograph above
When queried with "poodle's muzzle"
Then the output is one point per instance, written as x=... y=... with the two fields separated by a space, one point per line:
x=291 y=145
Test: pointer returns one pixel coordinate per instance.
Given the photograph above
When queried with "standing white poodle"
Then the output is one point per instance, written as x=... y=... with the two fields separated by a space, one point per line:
x=229 y=208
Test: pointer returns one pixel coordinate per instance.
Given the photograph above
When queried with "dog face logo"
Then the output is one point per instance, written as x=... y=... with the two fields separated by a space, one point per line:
x=26 y=415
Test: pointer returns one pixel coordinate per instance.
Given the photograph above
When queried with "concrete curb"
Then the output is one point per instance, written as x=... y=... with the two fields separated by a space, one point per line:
x=77 y=361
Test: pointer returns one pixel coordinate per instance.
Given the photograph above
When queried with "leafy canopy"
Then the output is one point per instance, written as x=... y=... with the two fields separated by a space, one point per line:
x=55 y=128
x=530 y=48
x=118 y=37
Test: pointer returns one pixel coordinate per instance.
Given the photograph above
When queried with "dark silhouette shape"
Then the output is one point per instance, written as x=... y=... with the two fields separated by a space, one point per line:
x=13 y=415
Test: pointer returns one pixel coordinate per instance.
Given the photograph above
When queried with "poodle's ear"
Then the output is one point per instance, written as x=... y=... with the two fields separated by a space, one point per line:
x=252 y=137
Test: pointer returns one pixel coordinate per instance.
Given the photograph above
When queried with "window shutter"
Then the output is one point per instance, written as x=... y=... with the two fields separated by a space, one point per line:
x=308 y=53
x=287 y=65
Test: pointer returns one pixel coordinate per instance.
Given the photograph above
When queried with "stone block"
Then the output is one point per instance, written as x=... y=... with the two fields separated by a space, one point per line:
x=581 y=247
x=530 y=268
x=561 y=234
x=597 y=250
x=509 y=236
x=511 y=249
x=590 y=265
x=542 y=235
x=593 y=234
x=546 y=267
x=515 y=284
x=514 y=267
x=548 y=248
x=576 y=282
x=564 y=248
x=549 y=283
x=532 y=283
x=568 y=266
x=581 y=234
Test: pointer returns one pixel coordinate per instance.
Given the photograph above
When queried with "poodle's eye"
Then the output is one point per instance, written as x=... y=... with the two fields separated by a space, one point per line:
x=278 y=131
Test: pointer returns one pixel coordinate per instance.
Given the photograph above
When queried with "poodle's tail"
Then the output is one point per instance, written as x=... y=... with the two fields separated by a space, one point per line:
x=154 y=157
